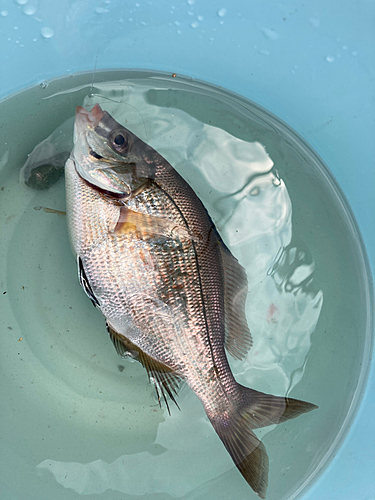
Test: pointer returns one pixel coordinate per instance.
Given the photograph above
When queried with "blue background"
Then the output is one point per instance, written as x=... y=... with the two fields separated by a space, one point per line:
x=310 y=63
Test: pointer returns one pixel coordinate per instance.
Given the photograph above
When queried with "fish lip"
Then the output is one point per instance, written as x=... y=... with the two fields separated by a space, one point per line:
x=89 y=119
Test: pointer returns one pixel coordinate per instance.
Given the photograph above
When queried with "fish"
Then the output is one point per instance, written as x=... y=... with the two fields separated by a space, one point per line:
x=173 y=296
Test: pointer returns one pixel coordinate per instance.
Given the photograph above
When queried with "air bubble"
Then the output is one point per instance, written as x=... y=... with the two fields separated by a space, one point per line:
x=222 y=12
x=330 y=59
x=43 y=84
x=195 y=24
x=21 y=2
x=4 y=13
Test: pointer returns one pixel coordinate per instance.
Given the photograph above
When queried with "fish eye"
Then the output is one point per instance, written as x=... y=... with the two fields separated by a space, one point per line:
x=119 y=140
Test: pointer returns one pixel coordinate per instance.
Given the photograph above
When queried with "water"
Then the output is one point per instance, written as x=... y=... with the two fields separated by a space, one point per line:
x=77 y=419
x=47 y=32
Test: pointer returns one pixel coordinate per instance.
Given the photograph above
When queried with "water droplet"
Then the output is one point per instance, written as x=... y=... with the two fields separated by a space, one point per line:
x=330 y=59
x=43 y=84
x=254 y=192
x=47 y=32
x=191 y=2
x=344 y=47
x=354 y=53
x=21 y=2
x=177 y=23
x=270 y=34
x=29 y=10
x=107 y=2
x=130 y=19
x=264 y=52
x=195 y=24
x=315 y=23
x=143 y=23
x=35 y=39
x=222 y=12
x=200 y=18
x=15 y=28
x=101 y=10
x=137 y=4
x=4 y=13
x=191 y=13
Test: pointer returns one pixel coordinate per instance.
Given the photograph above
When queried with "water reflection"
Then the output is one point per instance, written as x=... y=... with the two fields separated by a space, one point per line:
x=254 y=213
x=188 y=462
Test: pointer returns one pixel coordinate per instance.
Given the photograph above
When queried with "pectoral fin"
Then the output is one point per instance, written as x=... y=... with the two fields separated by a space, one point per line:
x=165 y=379
x=149 y=226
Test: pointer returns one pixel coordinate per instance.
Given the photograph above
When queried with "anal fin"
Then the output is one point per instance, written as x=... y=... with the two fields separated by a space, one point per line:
x=165 y=379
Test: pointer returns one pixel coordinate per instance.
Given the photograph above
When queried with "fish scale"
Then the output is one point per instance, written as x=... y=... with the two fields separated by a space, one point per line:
x=106 y=259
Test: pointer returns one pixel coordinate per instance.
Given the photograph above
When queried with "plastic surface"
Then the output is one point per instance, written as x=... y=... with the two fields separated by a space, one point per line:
x=311 y=64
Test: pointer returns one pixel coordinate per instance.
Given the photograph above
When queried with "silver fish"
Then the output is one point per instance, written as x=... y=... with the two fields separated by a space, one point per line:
x=150 y=259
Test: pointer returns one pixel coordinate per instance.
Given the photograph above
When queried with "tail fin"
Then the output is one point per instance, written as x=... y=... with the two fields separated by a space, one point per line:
x=247 y=451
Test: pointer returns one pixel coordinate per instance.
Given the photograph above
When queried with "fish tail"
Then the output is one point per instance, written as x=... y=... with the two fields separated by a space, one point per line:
x=235 y=430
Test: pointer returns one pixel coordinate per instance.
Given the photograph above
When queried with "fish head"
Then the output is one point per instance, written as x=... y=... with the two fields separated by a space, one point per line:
x=107 y=155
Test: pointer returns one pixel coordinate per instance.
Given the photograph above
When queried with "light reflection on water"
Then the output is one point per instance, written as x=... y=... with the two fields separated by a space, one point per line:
x=239 y=184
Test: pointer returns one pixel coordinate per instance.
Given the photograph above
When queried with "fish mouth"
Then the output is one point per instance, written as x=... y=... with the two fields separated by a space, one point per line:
x=89 y=119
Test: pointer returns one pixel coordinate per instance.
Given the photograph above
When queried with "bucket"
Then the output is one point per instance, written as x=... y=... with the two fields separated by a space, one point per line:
x=303 y=69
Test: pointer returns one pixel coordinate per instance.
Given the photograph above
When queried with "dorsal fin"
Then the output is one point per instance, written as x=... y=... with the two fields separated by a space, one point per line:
x=237 y=334
x=164 y=378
